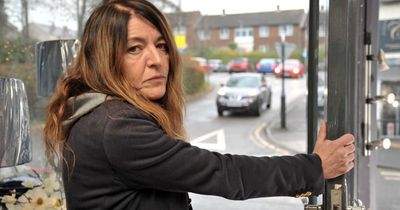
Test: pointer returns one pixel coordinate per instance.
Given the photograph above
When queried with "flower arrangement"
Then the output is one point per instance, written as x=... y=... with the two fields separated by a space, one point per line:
x=47 y=195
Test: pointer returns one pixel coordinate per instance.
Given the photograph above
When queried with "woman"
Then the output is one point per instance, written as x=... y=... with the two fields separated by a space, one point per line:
x=116 y=120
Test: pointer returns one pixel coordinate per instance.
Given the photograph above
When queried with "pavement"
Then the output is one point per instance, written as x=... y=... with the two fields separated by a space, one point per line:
x=293 y=138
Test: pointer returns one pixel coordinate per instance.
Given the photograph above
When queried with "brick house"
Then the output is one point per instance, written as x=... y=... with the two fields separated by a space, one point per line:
x=183 y=24
x=249 y=31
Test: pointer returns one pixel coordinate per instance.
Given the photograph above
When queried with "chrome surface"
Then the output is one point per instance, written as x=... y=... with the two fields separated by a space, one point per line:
x=52 y=58
x=15 y=143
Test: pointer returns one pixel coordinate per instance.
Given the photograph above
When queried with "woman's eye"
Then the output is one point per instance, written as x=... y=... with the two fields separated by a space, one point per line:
x=133 y=49
x=163 y=47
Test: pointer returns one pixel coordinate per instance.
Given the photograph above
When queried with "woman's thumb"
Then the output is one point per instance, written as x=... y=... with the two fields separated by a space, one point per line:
x=322 y=132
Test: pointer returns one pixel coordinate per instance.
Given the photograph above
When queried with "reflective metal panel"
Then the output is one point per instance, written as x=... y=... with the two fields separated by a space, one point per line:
x=52 y=57
x=15 y=143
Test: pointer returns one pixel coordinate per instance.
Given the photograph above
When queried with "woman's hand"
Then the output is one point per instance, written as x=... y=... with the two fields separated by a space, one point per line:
x=337 y=156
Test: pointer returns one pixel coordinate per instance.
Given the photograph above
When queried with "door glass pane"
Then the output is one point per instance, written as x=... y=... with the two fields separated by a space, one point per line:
x=222 y=33
x=388 y=111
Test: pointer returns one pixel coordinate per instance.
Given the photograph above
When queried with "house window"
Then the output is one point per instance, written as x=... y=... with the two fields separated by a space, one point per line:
x=224 y=33
x=263 y=48
x=286 y=29
x=244 y=32
x=204 y=34
x=263 y=31
x=179 y=30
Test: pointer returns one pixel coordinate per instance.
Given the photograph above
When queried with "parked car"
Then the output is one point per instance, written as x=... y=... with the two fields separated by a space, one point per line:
x=239 y=65
x=293 y=68
x=202 y=63
x=244 y=92
x=216 y=65
x=267 y=65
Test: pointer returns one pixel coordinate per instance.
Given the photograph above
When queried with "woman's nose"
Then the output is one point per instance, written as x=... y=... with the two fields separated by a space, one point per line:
x=153 y=56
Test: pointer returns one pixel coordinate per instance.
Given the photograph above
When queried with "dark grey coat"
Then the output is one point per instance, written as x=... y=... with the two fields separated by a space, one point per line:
x=124 y=160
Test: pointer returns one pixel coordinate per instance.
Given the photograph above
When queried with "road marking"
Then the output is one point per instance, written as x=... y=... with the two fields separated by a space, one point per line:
x=264 y=142
x=219 y=136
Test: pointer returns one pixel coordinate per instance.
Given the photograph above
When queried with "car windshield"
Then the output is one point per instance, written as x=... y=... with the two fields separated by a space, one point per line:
x=243 y=82
x=291 y=63
x=240 y=60
x=267 y=61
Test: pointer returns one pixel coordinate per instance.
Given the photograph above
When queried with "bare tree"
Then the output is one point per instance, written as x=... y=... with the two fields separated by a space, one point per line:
x=25 y=19
x=4 y=20
x=80 y=14
x=80 y=10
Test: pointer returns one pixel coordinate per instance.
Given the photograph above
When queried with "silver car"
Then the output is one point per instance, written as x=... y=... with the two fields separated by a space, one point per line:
x=244 y=92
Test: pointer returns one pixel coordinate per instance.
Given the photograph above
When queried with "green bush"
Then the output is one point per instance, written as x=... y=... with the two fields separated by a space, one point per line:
x=296 y=54
x=17 y=51
x=225 y=54
x=256 y=56
x=193 y=77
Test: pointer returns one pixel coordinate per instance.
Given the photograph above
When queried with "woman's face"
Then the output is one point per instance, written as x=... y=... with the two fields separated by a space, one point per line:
x=146 y=61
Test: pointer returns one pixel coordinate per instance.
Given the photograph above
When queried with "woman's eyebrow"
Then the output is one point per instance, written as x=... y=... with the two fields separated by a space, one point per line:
x=143 y=39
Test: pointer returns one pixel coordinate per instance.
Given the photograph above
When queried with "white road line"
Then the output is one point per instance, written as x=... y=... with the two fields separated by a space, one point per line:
x=220 y=140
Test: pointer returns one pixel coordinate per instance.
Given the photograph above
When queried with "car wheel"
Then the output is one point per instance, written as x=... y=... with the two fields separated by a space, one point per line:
x=258 y=109
x=220 y=112
x=269 y=101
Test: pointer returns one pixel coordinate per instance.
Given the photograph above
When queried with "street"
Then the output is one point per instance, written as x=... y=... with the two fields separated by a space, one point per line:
x=237 y=133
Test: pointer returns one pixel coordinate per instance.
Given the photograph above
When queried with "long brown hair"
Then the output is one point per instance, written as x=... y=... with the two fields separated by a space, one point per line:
x=98 y=68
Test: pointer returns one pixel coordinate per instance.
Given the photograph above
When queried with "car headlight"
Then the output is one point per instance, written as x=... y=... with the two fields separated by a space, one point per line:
x=252 y=93
x=277 y=70
x=296 y=70
x=221 y=92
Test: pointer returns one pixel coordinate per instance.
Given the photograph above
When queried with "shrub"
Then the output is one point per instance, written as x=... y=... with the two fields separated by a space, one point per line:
x=193 y=77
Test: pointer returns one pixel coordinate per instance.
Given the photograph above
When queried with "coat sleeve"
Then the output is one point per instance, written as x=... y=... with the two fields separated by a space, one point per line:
x=144 y=156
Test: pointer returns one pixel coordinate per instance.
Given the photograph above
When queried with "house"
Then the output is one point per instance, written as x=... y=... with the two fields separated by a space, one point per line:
x=249 y=31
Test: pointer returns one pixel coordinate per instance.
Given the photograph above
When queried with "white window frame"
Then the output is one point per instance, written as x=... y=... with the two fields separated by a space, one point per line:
x=244 y=32
x=224 y=33
x=204 y=34
x=288 y=28
x=263 y=31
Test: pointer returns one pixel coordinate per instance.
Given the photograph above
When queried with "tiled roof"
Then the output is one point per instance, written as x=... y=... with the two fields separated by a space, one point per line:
x=187 y=18
x=253 y=19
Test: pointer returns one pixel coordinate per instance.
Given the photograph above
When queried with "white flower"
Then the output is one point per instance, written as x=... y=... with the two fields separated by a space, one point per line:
x=9 y=199
x=27 y=184
x=13 y=206
x=54 y=203
x=51 y=184
x=46 y=195
x=34 y=199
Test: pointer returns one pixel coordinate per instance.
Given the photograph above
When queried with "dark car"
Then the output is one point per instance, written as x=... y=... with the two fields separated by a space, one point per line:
x=292 y=68
x=267 y=65
x=244 y=92
x=216 y=65
x=239 y=65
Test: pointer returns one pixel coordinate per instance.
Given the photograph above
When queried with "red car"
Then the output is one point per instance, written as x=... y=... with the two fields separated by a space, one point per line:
x=293 y=68
x=239 y=65
x=203 y=64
